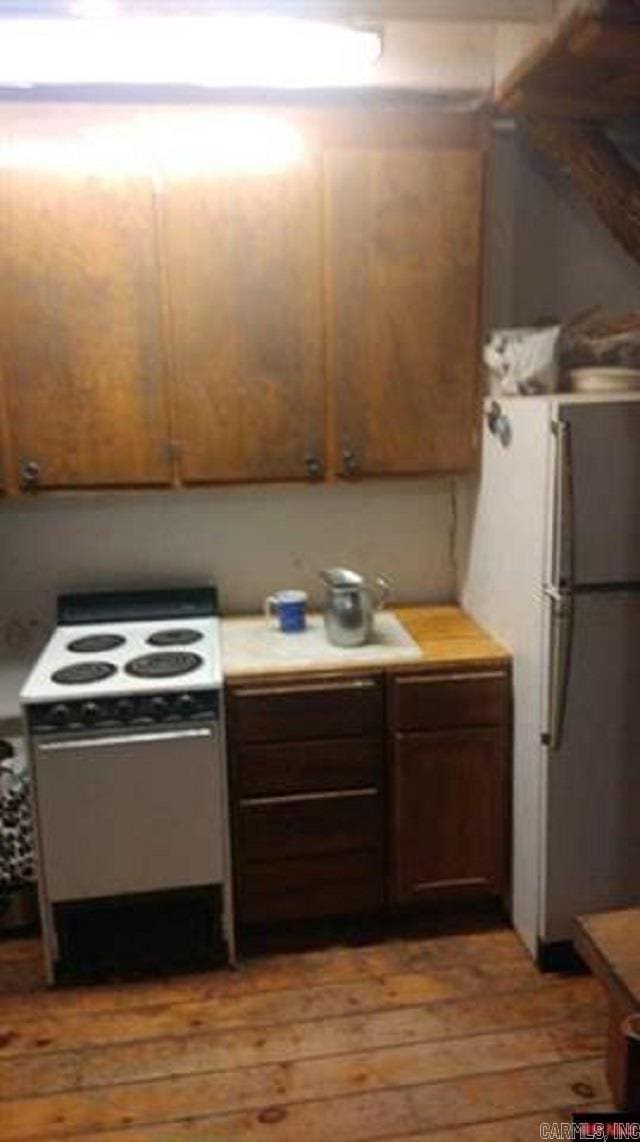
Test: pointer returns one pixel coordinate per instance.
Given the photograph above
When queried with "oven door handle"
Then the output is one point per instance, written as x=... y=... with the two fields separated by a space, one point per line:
x=117 y=740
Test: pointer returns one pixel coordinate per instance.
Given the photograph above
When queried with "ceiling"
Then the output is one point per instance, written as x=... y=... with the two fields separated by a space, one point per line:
x=485 y=10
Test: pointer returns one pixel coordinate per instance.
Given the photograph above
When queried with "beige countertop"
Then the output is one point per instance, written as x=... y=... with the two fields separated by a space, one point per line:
x=426 y=637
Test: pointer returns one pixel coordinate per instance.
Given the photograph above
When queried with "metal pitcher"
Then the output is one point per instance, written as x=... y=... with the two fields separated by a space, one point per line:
x=350 y=605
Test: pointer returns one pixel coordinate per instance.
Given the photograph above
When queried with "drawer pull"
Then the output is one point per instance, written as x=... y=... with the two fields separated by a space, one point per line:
x=299 y=798
x=460 y=882
x=426 y=679
x=312 y=688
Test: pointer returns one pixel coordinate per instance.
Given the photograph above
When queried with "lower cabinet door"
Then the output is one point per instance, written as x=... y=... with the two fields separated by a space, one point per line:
x=450 y=813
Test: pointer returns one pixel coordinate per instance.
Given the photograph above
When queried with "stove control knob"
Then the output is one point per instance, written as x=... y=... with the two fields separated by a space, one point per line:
x=125 y=709
x=186 y=705
x=159 y=707
x=90 y=713
x=60 y=715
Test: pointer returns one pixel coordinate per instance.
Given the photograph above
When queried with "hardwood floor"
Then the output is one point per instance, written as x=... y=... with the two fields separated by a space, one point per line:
x=397 y=1040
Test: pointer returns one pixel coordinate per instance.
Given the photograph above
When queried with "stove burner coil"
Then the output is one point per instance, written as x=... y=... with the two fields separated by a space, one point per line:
x=163 y=664
x=176 y=636
x=96 y=643
x=81 y=673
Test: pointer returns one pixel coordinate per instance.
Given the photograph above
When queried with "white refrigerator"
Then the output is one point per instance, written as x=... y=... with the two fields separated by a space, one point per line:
x=553 y=570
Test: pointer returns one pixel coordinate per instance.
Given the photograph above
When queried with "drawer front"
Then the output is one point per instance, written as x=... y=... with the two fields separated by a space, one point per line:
x=440 y=701
x=307 y=767
x=277 y=827
x=331 y=709
x=311 y=886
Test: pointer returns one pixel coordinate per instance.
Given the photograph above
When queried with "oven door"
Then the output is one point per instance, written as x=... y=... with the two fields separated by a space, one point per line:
x=136 y=812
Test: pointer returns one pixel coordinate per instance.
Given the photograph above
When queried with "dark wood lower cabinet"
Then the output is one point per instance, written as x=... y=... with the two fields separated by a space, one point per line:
x=315 y=823
x=311 y=886
x=349 y=795
x=308 y=710
x=449 y=813
x=308 y=767
x=307 y=771
x=314 y=854
x=449 y=784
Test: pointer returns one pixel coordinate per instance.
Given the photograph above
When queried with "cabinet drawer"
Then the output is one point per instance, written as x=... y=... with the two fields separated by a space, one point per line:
x=307 y=767
x=311 y=886
x=320 y=823
x=438 y=701
x=329 y=709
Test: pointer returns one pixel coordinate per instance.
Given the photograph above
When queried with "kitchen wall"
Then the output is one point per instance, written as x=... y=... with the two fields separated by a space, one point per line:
x=250 y=540
x=437 y=56
x=565 y=259
x=549 y=256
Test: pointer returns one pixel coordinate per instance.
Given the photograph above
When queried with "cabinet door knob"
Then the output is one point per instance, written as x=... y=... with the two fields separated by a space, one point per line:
x=349 y=462
x=313 y=466
x=29 y=474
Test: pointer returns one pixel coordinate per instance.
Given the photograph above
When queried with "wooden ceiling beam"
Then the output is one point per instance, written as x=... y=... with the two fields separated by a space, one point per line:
x=579 y=77
x=586 y=66
x=599 y=40
x=609 y=183
x=592 y=109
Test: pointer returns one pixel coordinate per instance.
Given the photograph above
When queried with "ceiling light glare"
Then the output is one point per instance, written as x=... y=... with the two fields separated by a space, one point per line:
x=235 y=143
x=213 y=51
x=93 y=9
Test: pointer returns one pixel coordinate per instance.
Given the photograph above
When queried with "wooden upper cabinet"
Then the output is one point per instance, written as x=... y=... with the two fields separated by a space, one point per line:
x=80 y=330
x=244 y=271
x=306 y=303
x=404 y=232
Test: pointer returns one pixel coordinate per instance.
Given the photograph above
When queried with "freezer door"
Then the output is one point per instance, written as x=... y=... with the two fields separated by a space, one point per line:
x=591 y=782
x=601 y=507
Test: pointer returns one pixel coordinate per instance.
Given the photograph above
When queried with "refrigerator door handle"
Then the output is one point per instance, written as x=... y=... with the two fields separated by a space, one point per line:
x=563 y=516
x=560 y=665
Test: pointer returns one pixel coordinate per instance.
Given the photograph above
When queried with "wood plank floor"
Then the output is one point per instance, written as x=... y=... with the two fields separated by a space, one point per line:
x=397 y=1040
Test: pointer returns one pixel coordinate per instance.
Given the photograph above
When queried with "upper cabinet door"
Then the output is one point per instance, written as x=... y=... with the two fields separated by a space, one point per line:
x=80 y=329
x=244 y=268
x=404 y=293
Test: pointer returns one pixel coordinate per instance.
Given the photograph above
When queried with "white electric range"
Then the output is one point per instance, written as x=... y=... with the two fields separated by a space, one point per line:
x=125 y=738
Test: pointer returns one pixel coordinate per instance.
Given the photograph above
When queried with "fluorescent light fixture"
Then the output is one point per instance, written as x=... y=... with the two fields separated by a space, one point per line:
x=211 y=51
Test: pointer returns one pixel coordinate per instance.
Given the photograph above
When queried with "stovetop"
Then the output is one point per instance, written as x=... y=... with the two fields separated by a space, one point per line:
x=118 y=659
